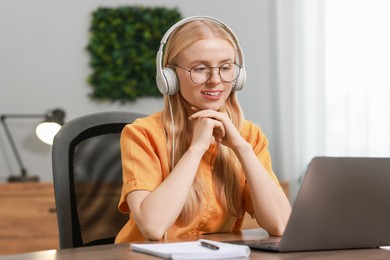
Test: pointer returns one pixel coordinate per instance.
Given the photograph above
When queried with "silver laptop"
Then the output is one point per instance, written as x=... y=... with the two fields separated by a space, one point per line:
x=343 y=203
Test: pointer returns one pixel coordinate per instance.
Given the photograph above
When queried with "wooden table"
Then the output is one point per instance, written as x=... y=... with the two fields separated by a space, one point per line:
x=122 y=251
x=28 y=217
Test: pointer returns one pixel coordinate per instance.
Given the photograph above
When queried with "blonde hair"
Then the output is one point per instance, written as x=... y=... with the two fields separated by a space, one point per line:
x=226 y=171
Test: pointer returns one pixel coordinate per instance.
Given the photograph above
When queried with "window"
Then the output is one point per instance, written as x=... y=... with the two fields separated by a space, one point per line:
x=357 y=77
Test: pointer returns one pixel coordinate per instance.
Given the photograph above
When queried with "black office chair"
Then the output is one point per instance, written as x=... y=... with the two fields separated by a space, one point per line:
x=87 y=175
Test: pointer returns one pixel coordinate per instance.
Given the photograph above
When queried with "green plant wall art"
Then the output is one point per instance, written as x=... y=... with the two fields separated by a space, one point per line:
x=123 y=43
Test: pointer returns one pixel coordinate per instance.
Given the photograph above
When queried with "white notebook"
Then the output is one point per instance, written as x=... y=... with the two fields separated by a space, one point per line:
x=193 y=250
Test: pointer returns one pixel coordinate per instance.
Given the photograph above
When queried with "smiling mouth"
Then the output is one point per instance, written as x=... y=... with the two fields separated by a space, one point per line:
x=213 y=94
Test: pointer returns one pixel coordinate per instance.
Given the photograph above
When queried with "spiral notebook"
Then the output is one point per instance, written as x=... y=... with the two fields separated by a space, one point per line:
x=201 y=249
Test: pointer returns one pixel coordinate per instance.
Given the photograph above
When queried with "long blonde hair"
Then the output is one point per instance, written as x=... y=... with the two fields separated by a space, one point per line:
x=226 y=171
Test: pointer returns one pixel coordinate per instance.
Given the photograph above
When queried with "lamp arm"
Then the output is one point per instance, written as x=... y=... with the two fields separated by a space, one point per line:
x=12 y=143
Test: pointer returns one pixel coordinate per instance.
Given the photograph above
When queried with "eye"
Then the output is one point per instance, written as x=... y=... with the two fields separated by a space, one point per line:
x=201 y=68
x=226 y=67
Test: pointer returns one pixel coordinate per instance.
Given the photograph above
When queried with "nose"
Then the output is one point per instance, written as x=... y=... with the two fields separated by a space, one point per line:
x=214 y=75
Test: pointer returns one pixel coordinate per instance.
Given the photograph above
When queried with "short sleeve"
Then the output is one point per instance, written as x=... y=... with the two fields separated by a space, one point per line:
x=144 y=160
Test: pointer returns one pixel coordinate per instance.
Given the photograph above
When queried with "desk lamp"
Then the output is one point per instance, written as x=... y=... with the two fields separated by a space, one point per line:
x=46 y=130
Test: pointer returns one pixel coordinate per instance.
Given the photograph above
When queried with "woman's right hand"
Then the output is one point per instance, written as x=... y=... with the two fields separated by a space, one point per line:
x=205 y=132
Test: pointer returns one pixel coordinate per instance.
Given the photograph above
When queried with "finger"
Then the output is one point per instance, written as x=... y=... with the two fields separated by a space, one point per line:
x=205 y=113
x=219 y=131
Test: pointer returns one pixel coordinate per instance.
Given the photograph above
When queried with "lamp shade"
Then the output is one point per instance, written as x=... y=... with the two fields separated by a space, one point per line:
x=46 y=130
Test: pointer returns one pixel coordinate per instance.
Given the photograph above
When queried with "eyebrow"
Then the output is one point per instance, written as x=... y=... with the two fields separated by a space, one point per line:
x=197 y=62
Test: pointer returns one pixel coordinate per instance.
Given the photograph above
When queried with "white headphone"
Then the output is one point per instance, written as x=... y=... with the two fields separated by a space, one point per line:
x=166 y=78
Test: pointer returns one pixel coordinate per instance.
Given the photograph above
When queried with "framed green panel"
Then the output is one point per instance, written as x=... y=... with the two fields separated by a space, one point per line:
x=123 y=43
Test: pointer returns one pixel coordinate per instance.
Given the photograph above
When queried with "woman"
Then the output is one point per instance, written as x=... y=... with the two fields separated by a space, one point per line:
x=202 y=171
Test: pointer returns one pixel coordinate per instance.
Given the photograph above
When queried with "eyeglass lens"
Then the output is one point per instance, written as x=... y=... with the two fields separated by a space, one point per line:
x=228 y=72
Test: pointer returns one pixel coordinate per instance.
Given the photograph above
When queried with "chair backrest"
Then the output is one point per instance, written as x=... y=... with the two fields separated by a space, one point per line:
x=87 y=176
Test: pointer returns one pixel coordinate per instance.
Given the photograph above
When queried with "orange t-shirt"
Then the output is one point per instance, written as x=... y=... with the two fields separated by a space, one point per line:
x=145 y=166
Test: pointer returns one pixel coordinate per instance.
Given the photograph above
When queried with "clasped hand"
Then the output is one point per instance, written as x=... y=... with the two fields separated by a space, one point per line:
x=210 y=125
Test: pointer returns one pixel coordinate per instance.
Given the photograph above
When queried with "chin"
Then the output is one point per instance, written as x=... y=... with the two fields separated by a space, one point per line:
x=216 y=108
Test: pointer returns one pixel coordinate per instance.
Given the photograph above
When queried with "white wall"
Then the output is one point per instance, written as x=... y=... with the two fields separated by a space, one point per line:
x=44 y=65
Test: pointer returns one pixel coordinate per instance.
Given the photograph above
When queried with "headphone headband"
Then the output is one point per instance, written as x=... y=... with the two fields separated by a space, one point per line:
x=166 y=78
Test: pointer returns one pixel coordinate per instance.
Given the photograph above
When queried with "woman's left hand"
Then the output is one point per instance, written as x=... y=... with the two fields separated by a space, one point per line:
x=232 y=137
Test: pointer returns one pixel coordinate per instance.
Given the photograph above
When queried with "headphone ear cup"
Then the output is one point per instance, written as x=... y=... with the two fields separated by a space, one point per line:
x=167 y=83
x=172 y=80
x=240 y=81
x=161 y=83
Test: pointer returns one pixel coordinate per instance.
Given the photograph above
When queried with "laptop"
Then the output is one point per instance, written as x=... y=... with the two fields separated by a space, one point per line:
x=343 y=203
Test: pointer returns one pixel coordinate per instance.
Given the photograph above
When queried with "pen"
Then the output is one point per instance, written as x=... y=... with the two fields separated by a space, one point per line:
x=208 y=245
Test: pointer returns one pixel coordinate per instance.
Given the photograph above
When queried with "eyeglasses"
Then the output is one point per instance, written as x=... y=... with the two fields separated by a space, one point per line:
x=200 y=74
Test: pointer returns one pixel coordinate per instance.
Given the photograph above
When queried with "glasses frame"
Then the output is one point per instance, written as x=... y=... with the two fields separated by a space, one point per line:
x=211 y=68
